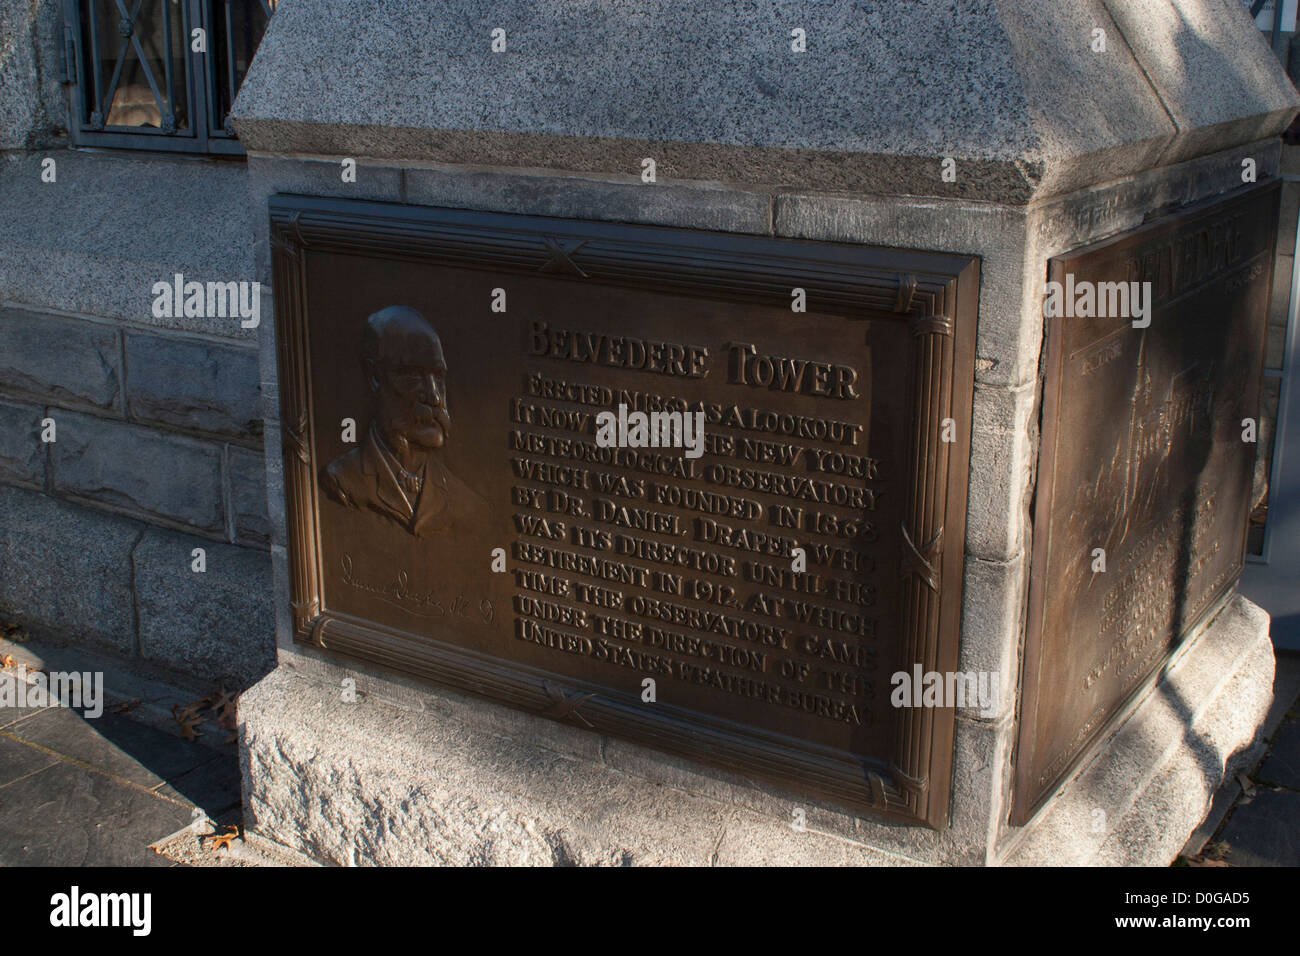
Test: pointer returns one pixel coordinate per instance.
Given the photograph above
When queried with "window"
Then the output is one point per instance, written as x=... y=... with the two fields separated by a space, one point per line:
x=159 y=74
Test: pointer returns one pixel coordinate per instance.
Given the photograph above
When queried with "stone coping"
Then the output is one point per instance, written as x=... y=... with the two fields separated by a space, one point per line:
x=1016 y=92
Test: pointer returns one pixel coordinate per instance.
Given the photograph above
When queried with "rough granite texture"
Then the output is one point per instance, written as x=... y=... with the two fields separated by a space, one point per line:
x=395 y=786
x=216 y=623
x=1154 y=779
x=885 y=90
x=396 y=777
x=96 y=240
x=32 y=112
x=67 y=570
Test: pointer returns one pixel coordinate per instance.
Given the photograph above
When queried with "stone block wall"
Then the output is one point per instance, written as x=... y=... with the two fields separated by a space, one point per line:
x=157 y=451
x=157 y=421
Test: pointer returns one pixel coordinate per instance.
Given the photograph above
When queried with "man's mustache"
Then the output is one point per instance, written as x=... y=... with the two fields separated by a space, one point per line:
x=427 y=414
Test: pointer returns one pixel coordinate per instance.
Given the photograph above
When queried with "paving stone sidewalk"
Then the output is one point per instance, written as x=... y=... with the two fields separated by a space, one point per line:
x=80 y=791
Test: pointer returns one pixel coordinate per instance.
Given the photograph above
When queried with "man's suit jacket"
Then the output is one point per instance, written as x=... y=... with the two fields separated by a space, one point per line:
x=364 y=478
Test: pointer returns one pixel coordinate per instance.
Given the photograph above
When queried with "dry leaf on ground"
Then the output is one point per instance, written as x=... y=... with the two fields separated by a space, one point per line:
x=221 y=841
x=189 y=719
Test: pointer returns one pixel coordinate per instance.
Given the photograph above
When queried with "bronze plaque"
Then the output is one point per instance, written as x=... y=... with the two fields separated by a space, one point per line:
x=1143 y=466
x=456 y=512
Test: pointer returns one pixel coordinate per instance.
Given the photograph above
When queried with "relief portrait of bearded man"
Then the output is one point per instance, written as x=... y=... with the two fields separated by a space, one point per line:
x=398 y=470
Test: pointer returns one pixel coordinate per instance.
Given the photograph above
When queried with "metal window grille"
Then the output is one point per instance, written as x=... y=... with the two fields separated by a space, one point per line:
x=138 y=81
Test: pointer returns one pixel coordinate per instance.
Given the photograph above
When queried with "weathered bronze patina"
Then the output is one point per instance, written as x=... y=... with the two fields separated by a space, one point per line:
x=442 y=374
x=1145 y=469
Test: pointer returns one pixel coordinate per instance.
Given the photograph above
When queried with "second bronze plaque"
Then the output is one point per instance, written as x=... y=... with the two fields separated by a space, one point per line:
x=1145 y=471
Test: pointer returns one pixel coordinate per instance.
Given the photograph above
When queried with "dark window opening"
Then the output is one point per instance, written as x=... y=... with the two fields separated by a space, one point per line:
x=160 y=74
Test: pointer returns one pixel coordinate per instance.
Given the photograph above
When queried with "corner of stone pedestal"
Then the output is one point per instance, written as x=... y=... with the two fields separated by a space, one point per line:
x=406 y=776
x=1060 y=147
x=1151 y=783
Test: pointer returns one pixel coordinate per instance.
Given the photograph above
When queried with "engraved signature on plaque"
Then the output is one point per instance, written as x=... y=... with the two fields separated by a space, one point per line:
x=401 y=592
x=397 y=471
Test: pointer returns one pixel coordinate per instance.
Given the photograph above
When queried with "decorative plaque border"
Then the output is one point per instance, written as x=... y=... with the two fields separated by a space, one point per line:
x=935 y=293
